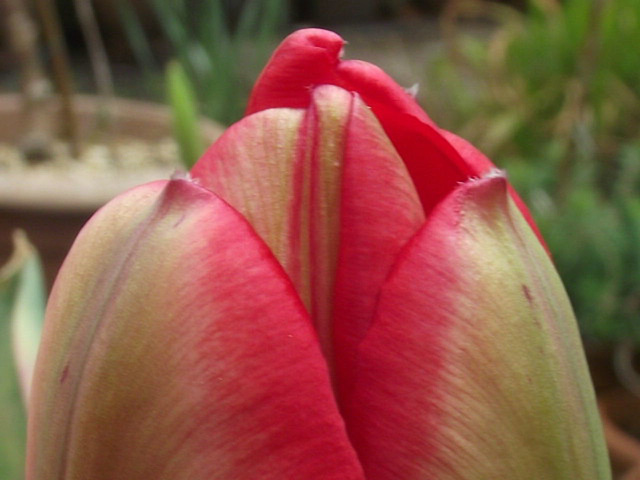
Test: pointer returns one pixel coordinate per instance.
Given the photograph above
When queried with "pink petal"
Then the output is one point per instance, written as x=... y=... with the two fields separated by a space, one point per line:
x=378 y=89
x=256 y=166
x=473 y=367
x=437 y=160
x=176 y=348
x=357 y=230
x=435 y=166
x=326 y=190
x=305 y=59
x=312 y=57
x=380 y=211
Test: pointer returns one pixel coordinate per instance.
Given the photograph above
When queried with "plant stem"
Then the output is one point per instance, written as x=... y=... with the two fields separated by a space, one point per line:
x=35 y=87
x=100 y=66
x=61 y=71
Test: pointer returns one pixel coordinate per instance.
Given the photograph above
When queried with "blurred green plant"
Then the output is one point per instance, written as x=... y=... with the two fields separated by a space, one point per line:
x=554 y=93
x=184 y=111
x=22 y=302
x=221 y=51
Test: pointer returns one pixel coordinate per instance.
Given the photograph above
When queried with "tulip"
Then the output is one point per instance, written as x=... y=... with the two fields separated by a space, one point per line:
x=338 y=290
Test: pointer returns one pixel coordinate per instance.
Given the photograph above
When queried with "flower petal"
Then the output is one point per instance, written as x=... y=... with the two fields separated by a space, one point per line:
x=319 y=185
x=175 y=348
x=312 y=57
x=255 y=166
x=475 y=157
x=305 y=59
x=436 y=159
x=435 y=166
x=379 y=212
x=473 y=367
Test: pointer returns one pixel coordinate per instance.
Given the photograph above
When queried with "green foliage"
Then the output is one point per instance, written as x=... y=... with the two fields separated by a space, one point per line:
x=22 y=302
x=186 y=130
x=136 y=36
x=553 y=96
x=221 y=56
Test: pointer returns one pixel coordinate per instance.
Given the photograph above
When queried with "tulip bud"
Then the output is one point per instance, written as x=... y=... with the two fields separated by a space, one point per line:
x=345 y=291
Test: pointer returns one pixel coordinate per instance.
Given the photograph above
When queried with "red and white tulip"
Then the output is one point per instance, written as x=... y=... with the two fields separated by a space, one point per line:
x=339 y=290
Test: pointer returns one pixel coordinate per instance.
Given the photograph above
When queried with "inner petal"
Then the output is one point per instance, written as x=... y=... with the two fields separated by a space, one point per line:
x=326 y=190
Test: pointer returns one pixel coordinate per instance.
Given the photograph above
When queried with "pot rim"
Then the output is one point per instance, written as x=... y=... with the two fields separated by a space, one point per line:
x=81 y=188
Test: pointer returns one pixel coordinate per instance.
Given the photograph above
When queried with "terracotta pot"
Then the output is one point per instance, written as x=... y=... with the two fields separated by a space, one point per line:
x=52 y=206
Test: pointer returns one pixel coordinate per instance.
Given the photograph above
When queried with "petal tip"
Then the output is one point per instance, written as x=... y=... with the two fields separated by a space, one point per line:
x=490 y=187
x=317 y=37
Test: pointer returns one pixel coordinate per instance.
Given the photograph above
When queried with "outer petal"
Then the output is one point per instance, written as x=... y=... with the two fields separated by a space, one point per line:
x=475 y=156
x=326 y=190
x=473 y=367
x=175 y=348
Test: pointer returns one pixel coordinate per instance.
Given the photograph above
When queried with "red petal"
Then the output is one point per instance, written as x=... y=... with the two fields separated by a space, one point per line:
x=378 y=89
x=311 y=57
x=176 y=348
x=380 y=211
x=473 y=367
x=326 y=191
x=437 y=160
x=435 y=166
x=305 y=59
x=255 y=166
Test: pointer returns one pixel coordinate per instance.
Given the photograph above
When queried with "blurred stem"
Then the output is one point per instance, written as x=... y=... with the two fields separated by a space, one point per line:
x=449 y=28
x=184 y=111
x=456 y=12
x=623 y=363
x=61 y=71
x=100 y=66
x=35 y=87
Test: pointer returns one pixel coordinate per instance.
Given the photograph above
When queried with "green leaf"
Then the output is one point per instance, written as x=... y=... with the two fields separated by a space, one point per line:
x=137 y=37
x=22 y=302
x=182 y=99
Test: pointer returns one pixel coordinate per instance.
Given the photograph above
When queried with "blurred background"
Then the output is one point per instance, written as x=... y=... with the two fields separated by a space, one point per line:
x=99 y=95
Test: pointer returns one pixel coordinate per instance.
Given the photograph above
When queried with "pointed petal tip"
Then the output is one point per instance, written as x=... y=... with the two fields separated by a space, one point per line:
x=493 y=191
x=482 y=195
x=491 y=184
